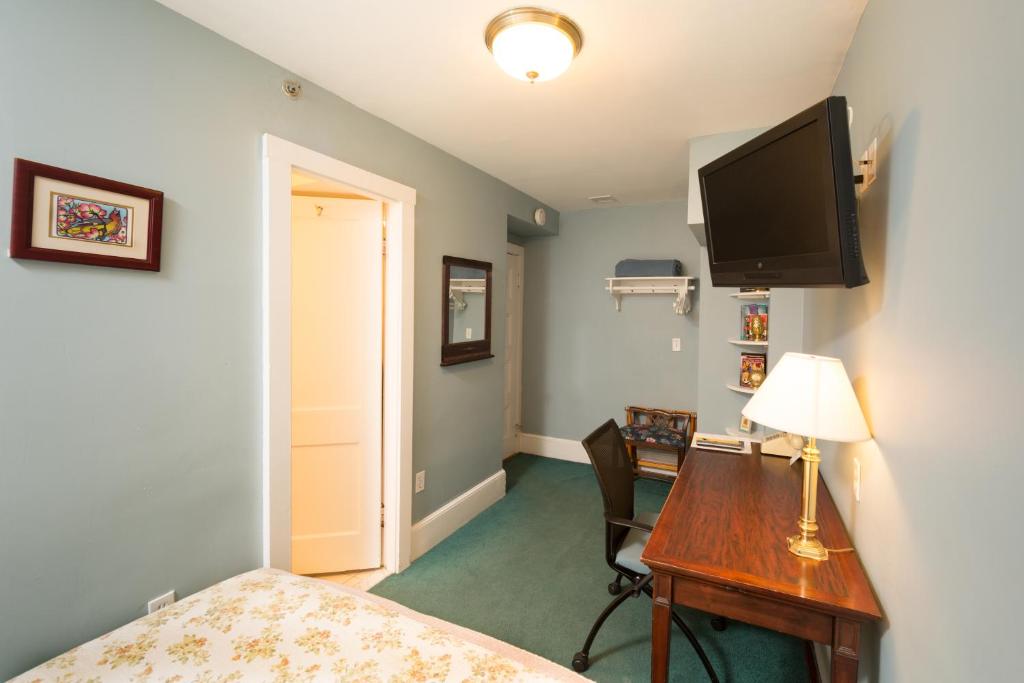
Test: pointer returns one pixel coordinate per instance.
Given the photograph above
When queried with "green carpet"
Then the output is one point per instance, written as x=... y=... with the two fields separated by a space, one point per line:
x=530 y=571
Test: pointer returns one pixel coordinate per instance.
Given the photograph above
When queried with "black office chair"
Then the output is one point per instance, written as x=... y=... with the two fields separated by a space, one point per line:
x=626 y=535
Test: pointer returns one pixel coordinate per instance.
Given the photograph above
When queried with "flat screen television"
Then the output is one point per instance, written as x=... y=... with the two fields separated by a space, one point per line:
x=781 y=211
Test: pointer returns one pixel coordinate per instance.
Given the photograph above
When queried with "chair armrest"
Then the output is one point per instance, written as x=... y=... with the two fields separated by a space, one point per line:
x=631 y=523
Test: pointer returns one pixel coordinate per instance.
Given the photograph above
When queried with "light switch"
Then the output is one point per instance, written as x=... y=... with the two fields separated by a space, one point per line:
x=677 y=344
x=469 y=333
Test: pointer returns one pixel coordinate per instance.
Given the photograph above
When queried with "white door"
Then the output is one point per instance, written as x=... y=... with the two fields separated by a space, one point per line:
x=337 y=269
x=513 y=349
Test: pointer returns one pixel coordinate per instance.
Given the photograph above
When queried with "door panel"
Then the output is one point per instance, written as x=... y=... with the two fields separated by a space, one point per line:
x=513 y=351
x=322 y=426
x=336 y=384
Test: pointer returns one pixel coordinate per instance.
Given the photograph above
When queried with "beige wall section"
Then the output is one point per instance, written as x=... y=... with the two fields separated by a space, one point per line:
x=932 y=344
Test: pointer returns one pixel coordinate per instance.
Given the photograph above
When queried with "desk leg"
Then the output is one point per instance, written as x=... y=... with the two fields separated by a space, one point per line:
x=845 y=650
x=661 y=627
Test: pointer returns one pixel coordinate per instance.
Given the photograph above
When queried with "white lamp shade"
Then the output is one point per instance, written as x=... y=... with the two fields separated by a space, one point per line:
x=523 y=50
x=810 y=396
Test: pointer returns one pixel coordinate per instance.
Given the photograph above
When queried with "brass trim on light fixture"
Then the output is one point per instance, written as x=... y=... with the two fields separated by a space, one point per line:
x=522 y=15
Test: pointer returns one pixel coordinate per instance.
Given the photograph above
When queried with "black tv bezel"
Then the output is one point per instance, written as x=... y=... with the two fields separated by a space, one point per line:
x=841 y=264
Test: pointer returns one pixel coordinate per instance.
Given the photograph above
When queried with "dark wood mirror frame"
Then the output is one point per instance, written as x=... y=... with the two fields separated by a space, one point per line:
x=467 y=351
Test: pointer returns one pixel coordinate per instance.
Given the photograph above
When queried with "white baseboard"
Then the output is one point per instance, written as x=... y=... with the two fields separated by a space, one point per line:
x=449 y=518
x=552 y=447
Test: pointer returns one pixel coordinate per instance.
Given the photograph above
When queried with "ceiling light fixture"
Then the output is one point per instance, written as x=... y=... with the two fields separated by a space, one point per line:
x=533 y=44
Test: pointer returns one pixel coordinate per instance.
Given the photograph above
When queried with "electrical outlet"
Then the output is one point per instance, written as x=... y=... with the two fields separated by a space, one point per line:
x=421 y=480
x=856 y=479
x=677 y=344
x=469 y=333
x=867 y=166
x=159 y=602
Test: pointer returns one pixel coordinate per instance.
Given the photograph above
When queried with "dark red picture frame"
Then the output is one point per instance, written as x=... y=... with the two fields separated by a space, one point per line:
x=25 y=173
x=453 y=353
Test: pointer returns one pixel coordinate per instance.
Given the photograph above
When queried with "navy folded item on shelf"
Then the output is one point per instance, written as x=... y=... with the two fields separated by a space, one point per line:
x=634 y=267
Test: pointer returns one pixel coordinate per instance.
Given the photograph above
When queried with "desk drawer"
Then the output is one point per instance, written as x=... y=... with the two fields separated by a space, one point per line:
x=752 y=609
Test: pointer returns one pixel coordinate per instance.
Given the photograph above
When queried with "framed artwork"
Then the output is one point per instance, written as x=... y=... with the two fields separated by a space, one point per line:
x=746 y=426
x=71 y=217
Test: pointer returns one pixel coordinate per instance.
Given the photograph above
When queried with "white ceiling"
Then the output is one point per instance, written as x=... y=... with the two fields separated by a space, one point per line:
x=652 y=75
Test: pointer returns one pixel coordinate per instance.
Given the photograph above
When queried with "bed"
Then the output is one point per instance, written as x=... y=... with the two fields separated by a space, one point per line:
x=269 y=625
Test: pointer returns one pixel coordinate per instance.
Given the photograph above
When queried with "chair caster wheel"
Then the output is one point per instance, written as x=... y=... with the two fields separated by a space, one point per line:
x=614 y=588
x=580 y=662
x=719 y=623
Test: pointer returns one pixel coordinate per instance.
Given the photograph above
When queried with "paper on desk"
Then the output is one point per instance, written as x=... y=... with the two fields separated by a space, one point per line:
x=698 y=436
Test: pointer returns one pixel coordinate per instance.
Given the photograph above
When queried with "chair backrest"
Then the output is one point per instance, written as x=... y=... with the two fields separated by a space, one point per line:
x=614 y=469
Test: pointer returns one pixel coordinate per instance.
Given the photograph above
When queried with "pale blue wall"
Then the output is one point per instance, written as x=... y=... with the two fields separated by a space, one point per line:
x=129 y=404
x=718 y=407
x=933 y=342
x=583 y=362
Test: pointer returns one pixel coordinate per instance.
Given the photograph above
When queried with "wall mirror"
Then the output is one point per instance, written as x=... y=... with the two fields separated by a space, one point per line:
x=465 y=311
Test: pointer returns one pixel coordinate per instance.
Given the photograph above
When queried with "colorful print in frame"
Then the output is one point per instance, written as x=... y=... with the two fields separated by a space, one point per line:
x=62 y=215
x=81 y=218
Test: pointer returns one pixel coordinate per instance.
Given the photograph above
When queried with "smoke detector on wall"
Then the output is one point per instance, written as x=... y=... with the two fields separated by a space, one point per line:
x=604 y=199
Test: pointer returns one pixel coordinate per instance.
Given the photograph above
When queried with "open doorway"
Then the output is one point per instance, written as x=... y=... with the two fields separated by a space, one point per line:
x=513 y=398
x=337 y=364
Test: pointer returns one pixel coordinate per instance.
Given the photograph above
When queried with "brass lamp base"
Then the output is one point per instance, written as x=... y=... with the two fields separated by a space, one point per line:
x=807 y=547
x=805 y=544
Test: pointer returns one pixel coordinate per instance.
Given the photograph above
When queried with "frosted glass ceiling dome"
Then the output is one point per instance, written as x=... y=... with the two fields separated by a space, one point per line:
x=533 y=44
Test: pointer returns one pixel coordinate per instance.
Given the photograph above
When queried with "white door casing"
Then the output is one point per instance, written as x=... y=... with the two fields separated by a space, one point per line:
x=336 y=384
x=280 y=157
x=513 y=402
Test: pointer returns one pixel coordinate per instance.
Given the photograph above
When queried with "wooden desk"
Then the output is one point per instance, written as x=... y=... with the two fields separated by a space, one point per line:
x=720 y=546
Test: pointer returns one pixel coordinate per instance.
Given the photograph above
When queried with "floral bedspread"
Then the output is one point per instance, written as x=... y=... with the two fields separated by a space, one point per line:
x=269 y=625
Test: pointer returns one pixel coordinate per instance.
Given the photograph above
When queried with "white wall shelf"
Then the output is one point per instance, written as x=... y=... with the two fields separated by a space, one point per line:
x=459 y=287
x=679 y=286
x=748 y=342
x=739 y=389
x=751 y=295
x=468 y=285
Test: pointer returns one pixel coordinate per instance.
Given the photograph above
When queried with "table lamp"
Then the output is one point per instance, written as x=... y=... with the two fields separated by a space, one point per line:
x=810 y=396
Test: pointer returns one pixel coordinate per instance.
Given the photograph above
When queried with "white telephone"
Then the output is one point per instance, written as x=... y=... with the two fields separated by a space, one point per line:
x=784 y=444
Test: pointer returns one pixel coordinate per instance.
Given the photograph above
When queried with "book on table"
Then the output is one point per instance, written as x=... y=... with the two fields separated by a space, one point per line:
x=718 y=442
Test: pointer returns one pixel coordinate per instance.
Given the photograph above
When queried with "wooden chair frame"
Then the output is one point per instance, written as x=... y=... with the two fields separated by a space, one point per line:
x=635 y=415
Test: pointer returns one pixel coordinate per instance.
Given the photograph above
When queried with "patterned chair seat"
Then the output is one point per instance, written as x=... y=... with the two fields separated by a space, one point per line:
x=657 y=429
x=654 y=434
